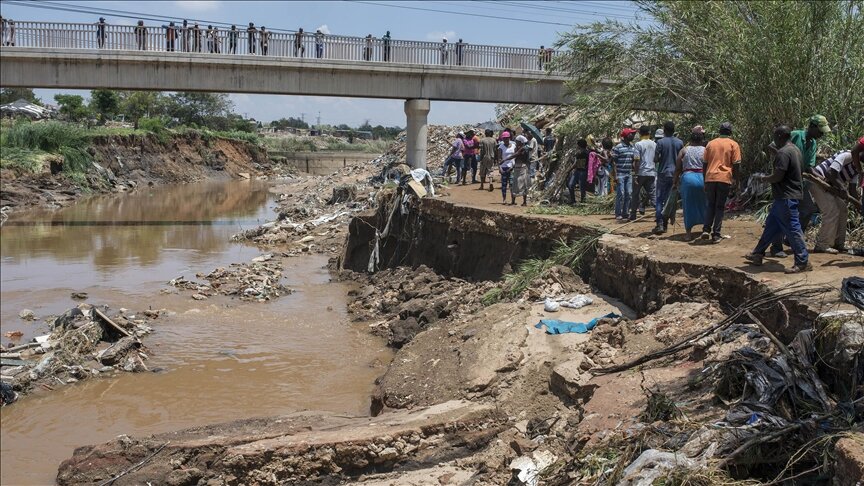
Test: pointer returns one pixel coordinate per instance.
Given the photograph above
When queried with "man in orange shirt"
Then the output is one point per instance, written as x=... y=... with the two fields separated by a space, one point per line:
x=722 y=156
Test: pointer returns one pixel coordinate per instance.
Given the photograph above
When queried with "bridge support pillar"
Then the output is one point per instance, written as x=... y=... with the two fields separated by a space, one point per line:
x=417 y=111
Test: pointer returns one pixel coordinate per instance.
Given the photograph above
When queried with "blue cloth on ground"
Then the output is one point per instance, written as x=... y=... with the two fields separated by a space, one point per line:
x=555 y=326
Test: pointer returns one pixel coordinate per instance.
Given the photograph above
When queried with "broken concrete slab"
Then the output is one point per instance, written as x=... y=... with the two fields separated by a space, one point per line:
x=305 y=447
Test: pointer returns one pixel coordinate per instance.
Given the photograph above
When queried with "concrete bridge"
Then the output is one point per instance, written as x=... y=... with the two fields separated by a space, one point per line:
x=165 y=58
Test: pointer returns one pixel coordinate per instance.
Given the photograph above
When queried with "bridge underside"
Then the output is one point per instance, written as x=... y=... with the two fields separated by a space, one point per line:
x=174 y=71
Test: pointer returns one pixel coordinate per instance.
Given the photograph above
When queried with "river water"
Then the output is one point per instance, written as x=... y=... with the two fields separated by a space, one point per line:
x=223 y=359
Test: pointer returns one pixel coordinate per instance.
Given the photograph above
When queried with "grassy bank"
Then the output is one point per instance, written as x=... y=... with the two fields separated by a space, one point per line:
x=28 y=147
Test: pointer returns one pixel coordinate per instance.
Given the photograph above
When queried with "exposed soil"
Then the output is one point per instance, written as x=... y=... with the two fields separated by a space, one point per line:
x=126 y=162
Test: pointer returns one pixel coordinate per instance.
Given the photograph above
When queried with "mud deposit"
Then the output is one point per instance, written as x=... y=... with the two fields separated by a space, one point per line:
x=220 y=359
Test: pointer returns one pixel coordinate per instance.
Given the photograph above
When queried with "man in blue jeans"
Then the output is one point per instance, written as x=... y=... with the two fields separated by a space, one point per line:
x=787 y=186
x=667 y=152
x=623 y=155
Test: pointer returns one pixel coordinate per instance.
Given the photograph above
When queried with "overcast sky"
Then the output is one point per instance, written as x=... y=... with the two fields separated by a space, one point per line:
x=508 y=23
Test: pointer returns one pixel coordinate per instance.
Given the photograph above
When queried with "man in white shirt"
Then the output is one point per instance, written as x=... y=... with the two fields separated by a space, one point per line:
x=643 y=168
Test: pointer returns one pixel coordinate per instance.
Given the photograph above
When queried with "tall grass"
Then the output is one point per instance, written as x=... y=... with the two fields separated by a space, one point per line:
x=25 y=146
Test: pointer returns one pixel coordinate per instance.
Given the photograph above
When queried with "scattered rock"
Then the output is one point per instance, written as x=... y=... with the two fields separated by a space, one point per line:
x=79 y=295
x=27 y=315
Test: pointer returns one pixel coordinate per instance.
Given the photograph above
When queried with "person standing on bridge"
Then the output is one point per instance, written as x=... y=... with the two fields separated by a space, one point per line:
x=386 y=41
x=252 y=37
x=217 y=42
x=299 y=48
x=184 y=36
x=170 y=36
x=460 y=48
x=367 y=49
x=445 y=51
x=319 y=44
x=100 y=32
x=141 y=36
x=232 y=40
x=196 y=38
x=208 y=39
x=264 y=37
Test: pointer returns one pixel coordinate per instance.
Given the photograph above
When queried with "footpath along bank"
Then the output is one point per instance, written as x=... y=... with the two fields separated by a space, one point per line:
x=695 y=369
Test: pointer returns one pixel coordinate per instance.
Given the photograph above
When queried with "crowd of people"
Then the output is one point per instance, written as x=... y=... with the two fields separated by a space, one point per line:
x=187 y=37
x=659 y=167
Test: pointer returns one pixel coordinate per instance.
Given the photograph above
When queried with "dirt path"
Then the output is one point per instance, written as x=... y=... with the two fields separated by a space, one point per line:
x=827 y=269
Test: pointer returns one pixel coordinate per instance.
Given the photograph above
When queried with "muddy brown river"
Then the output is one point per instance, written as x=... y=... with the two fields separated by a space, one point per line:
x=222 y=359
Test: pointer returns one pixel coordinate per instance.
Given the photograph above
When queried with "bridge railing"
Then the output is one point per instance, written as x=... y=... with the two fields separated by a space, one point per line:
x=273 y=44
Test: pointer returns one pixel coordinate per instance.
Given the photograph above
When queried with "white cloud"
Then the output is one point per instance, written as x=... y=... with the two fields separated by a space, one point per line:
x=437 y=36
x=324 y=29
x=197 y=5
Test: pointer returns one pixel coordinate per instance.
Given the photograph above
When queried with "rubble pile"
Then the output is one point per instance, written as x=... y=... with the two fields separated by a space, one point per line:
x=258 y=280
x=84 y=343
x=404 y=301
x=314 y=211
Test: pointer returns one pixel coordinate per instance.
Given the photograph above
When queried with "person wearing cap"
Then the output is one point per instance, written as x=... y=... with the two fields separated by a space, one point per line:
x=506 y=153
x=646 y=174
x=488 y=151
x=807 y=141
x=100 y=32
x=455 y=159
x=623 y=155
x=665 y=159
x=689 y=177
x=722 y=156
x=788 y=189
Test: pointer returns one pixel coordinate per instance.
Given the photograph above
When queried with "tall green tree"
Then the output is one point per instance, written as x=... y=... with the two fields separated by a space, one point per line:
x=72 y=107
x=9 y=95
x=199 y=108
x=135 y=105
x=105 y=103
x=754 y=63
